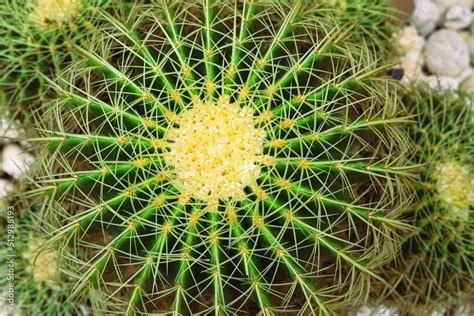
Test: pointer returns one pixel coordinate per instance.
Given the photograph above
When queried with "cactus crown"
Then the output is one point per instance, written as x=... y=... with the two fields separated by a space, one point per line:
x=47 y=12
x=455 y=188
x=40 y=285
x=35 y=45
x=436 y=266
x=224 y=157
x=42 y=266
x=214 y=150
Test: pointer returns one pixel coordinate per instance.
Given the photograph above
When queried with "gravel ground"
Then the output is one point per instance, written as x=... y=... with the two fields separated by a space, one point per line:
x=13 y=160
x=437 y=45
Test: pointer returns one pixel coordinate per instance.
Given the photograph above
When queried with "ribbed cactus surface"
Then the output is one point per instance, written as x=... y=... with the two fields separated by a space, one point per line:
x=223 y=157
x=32 y=282
x=435 y=269
x=36 y=37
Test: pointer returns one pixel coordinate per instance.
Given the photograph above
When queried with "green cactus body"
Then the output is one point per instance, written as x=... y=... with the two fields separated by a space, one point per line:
x=39 y=286
x=36 y=37
x=375 y=20
x=224 y=158
x=436 y=271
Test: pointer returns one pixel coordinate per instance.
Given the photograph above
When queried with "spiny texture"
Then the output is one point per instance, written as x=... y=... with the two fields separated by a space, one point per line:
x=436 y=270
x=164 y=208
x=375 y=20
x=39 y=286
x=35 y=43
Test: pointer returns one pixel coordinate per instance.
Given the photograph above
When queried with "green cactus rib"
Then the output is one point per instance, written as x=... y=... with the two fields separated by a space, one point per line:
x=43 y=287
x=143 y=52
x=436 y=267
x=35 y=42
x=303 y=235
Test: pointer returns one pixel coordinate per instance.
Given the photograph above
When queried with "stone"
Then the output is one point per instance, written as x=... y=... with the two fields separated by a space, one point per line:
x=412 y=63
x=442 y=83
x=446 y=53
x=396 y=73
x=444 y=5
x=381 y=310
x=8 y=130
x=425 y=16
x=465 y=74
x=457 y=17
x=409 y=40
x=468 y=84
x=469 y=39
x=15 y=161
x=472 y=23
x=5 y=187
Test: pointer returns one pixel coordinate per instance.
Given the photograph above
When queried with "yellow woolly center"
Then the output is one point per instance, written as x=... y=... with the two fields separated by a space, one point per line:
x=46 y=12
x=42 y=266
x=214 y=150
x=455 y=188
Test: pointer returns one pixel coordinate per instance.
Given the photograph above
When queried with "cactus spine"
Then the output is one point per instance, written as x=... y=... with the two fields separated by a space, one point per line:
x=224 y=157
x=435 y=271
x=36 y=38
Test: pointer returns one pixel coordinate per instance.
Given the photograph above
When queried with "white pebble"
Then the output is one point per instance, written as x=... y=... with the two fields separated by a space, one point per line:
x=425 y=16
x=444 y=5
x=472 y=23
x=8 y=130
x=442 y=83
x=446 y=53
x=364 y=311
x=409 y=40
x=15 y=161
x=411 y=63
x=469 y=39
x=465 y=74
x=468 y=84
x=5 y=187
x=457 y=17
x=379 y=311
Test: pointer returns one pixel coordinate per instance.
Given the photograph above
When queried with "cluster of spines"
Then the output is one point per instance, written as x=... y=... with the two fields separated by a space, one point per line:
x=435 y=268
x=36 y=39
x=40 y=287
x=92 y=140
x=106 y=131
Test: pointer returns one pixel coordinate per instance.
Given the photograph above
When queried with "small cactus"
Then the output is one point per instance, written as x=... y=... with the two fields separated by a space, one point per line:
x=36 y=37
x=436 y=267
x=223 y=157
x=31 y=281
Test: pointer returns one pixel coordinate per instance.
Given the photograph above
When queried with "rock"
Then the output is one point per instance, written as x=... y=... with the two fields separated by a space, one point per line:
x=444 y=5
x=412 y=63
x=15 y=161
x=379 y=311
x=457 y=17
x=446 y=53
x=440 y=82
x=469 y=39
x=8 y=130
x=465 y=74
x=409 y=40
x=472 y=23
x=5 y=187
x=425 y=16
x=440 y=311
x=364 y=311
x=468 y=84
